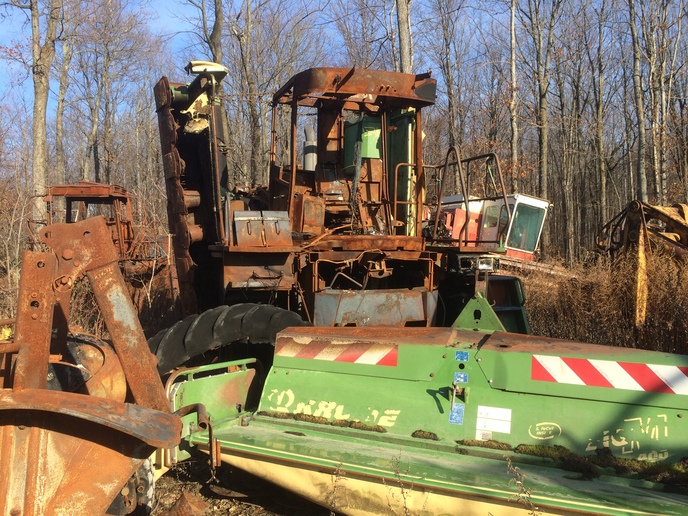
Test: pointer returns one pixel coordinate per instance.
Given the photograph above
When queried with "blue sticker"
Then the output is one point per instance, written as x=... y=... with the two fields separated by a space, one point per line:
x=460 y=377
x=456 y=414
x=462 y=356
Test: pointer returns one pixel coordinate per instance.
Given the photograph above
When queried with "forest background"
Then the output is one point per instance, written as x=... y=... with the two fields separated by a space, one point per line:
x=584 y=101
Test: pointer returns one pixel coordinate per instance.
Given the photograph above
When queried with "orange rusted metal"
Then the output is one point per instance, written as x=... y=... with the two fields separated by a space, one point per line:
x=372 y=87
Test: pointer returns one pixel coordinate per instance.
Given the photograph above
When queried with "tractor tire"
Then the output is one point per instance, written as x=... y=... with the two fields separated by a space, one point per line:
x=218 y=327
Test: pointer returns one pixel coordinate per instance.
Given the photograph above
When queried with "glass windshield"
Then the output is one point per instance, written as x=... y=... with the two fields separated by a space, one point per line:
x=525 y=228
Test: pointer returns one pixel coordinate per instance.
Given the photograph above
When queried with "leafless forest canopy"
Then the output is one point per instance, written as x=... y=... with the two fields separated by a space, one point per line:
x=583 y=100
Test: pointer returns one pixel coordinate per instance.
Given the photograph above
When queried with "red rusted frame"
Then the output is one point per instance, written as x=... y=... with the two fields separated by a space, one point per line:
x=86 y=248
x=370 y=87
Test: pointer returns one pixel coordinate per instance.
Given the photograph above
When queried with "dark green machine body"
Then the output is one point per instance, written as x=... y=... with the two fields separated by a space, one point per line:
x=459 y=416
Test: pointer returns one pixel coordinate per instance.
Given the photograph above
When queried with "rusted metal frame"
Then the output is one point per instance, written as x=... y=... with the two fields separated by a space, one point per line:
x=341 y=257
x=465 y=185
x=292 y=158
x=357 y=242
x=9 y=347
x=396 y=189
x=420 y=171
x=214 y=158
x=385 y=172
x=273 y=136
x=88 y=189
x=34 y=320
x=395 y=86
x=176 y=206
x=154 y=427
x=440 y=195
x=86 y=247
x=492 y=155
x=127 y=336
x=455 y=151
x=118 y=227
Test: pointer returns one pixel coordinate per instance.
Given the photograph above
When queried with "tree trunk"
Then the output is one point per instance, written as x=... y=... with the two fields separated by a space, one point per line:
x=67 y=51
x=404 y=25
x=513 y=106
x=244 y=38
x=641 y=174
x=42 y=58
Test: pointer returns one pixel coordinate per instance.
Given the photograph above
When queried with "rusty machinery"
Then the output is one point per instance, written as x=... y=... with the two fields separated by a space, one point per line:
x=344 y=233
x=139 y=251
x=635 y=231
x=78 y=416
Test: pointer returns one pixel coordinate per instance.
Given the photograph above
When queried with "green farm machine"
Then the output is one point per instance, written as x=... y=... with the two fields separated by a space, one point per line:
x=347 y=334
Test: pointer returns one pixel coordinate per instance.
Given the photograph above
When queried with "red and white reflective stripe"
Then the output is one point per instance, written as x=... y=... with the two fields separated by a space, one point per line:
x=607 y=373
x=354 y=352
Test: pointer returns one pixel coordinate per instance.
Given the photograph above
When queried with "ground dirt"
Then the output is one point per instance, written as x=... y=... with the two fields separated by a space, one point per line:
x=231 y=492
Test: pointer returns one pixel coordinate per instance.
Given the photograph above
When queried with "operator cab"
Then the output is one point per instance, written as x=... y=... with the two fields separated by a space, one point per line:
x=490 y=227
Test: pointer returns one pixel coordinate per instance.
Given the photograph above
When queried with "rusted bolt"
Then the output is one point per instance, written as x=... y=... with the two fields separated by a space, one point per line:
x=140 y=489
x=680 y=416
x=34 y=316
x=287 y=373
x=444 y=356
x=21 y=427
x=15 y=512
x=432 y=375
x=67 y=254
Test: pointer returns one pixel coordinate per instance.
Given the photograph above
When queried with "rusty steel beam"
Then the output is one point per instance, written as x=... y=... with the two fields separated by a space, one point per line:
x=372 y=87
x=34 y=320
x=87 y=190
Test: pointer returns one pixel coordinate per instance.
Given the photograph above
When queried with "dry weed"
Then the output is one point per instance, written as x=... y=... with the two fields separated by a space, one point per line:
x=596 y=304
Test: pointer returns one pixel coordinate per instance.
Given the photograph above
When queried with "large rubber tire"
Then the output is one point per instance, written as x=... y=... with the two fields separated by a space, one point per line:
x=218 y=327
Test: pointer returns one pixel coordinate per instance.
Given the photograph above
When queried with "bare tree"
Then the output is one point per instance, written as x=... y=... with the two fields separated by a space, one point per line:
x=44 y=17
x=513 y=101
x=113 y=40
x=243 y=35
x=539 y=19
x=447 y=40
x=367 y=35
x=69 y=33
x=405 y=47
x=641 y=174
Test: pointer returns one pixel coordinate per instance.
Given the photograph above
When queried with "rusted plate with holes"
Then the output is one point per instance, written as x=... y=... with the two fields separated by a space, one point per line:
x=86 y=247
x=89 y=191
x=34 y=320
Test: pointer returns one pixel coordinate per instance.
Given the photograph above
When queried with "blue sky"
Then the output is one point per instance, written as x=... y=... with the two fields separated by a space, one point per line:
x=165 y=19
